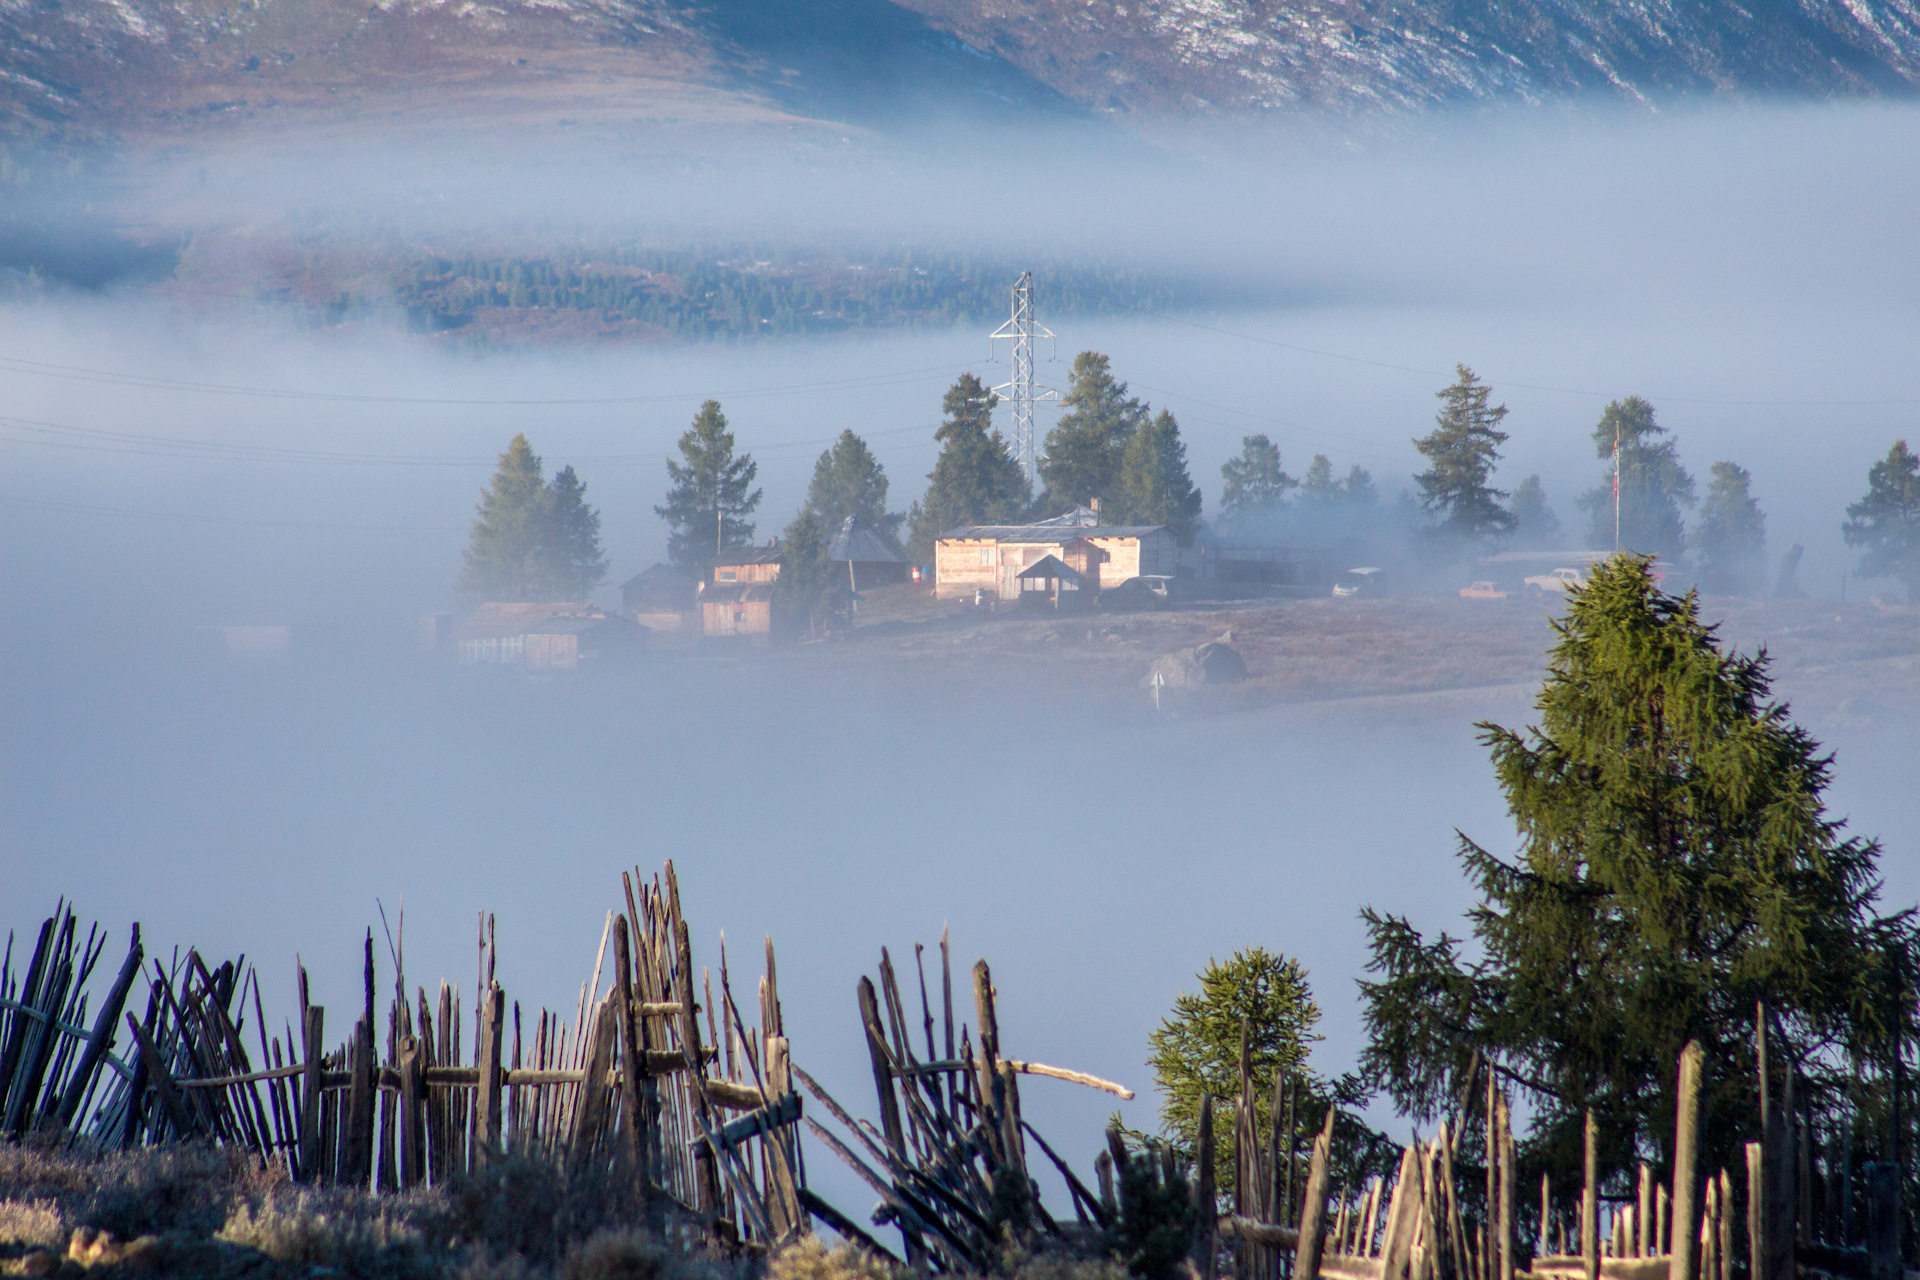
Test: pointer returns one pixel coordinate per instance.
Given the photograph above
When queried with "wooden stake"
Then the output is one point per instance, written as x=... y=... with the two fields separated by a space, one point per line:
x=313 y=1032
x=1590 y=1200
x=1313 y=1207
x=1686 y=1138
x=1206 y=1211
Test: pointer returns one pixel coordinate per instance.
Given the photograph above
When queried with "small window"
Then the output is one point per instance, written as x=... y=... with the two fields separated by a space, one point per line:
x=986 y=555
x=727 y=575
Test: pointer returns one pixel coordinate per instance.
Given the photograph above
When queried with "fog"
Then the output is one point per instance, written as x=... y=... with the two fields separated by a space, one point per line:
x=172 y=465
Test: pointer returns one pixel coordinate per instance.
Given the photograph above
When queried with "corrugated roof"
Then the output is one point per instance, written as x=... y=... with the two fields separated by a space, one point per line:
x=662 y=575
x=859 y=542
x=1047 y=534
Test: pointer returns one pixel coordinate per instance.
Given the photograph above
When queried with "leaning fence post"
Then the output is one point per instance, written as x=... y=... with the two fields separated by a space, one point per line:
x=80 y=1082
x=1684 y=1221
x=313 y=1029
x=1313 y=1208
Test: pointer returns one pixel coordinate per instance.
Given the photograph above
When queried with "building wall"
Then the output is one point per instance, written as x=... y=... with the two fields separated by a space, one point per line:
x=748 y=618
x=661 y=621
x=958 y=571
x=551 y=653
x=746 y=573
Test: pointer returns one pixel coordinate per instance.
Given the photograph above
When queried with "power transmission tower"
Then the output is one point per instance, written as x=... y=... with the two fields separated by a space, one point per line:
x=1021 y=391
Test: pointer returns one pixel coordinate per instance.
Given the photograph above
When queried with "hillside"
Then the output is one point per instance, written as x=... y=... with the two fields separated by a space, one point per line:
x=90 y=68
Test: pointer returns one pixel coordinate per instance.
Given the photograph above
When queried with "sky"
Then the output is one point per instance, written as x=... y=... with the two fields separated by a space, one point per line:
x=167 y=469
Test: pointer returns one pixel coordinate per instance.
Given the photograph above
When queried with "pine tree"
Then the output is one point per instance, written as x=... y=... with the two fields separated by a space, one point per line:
x=1196 y=1049
x=1653 y=484
x=571 y=560
x=503 y=558
x=1154 y=486
x=1731 y=536
x=1358 y=490
x=1676 y=865
x=975 y=480
x=1318 y=488
x=1887 y=520
x=1461 y=451
x=708 y=503
x=1256 y=488
x=849 y=481
x=809 y=589
x=1084 y=448
x=1535 y=526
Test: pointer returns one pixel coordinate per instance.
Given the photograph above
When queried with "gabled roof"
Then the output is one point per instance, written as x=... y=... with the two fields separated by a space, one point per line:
x=735 y=556
x=860 y=542
x=1046 y=534
x=661 y=576
x=1051 y=567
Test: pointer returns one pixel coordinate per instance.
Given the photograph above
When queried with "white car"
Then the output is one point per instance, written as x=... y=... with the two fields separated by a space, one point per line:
x=1557 y=582
x=1360 y=582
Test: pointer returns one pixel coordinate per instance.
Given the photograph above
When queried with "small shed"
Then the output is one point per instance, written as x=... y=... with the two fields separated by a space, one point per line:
x=568 y=644
x=747 y=565
x=1049 y=583
x=741 y=609
x=660 y=598
x=870 y=557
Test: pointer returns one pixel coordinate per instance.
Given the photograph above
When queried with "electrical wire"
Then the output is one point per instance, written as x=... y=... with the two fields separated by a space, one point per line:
x=47 y=504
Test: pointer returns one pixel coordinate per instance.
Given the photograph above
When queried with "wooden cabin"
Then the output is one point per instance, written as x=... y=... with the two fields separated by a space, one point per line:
x=865 y=556
x=661 y=598
x=992 y=557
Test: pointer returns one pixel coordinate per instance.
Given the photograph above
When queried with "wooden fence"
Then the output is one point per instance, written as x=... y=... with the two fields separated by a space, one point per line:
x=662 y=1079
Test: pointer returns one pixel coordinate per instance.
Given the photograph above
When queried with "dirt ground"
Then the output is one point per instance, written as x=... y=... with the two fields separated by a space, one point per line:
x=1855 y=665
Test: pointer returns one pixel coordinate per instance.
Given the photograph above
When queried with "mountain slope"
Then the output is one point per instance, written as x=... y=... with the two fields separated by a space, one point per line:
x=1350 y=54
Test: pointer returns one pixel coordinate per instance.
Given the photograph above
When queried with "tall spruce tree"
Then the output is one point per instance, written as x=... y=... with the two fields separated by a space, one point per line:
x=532 y=541
x=1461 y=452
x=1256 y=487
x=975 y=480
x=1318 y=488
x=1886 y=522
x=1676 y=865
x=1535 y=526
x=849 y=481
x=1085 y=447
x=1731 y=535
x=711 y=496
x=1653 y=485
x=809 y=590
x=1154 y=486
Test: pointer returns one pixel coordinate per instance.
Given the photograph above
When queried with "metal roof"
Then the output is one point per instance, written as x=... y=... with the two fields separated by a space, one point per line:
x=661 y=574
x=1040 y=533
x=859 y=542
x=749 y=555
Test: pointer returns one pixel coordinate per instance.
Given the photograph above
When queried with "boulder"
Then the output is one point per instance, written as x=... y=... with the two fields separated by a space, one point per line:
x=1215 y=662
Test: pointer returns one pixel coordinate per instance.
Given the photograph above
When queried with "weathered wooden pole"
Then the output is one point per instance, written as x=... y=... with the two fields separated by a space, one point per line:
x=412 y=1123
x=1206 y=1211
x=487 y=1093
x=1590 y=1200
x=1546 y=1214
x=1646 y=1243
x=80 y=1082
x=1684 y=1221
x=1506 y=1218
x=633 y=1056
x=313 y=1030
x=1883 y=1221
x=1313 y=1206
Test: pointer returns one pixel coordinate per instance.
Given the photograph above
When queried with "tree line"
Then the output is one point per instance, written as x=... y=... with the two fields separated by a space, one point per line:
x=535 y=539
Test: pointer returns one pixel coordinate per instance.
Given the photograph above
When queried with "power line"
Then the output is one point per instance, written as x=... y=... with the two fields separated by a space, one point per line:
x=1531 y=386
x=154 y=382
x=45 y=504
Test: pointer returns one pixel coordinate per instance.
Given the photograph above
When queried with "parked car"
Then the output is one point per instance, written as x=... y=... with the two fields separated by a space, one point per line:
x=1360 y=582
x=1147 y=591
x=1558 y=581
x=1482 y=591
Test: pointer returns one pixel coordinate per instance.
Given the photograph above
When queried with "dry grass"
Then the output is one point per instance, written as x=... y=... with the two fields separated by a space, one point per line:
x=814 y=1259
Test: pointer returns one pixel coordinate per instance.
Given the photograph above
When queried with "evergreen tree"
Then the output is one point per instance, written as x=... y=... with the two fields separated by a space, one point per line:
x=1154 y=486
x=532 y=541
x=975 y=480
x=1731 y=536
x=1317 y=486
x=849 y=481
x=1255 y=487
x=503 y=549
x=1653 y=484
x=1084 y=448
x=1358 y=490
x=708 y=502
x=1196 y=1049
x=1535 y=526
x=810 y=589
x=1461 y=451
x=571 y=560
x=1676 y=865
x=1887 y=520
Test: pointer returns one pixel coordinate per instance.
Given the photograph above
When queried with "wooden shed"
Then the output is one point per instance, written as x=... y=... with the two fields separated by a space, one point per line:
x=869 y=557
x=737 y=610
x=661 y=598
x=1049 y=583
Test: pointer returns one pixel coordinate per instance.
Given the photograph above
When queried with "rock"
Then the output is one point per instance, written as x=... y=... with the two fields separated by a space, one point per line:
x=1215 y=662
